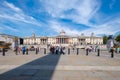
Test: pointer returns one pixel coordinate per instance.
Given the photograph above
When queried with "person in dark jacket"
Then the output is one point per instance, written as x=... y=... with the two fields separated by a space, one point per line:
x=23 y=50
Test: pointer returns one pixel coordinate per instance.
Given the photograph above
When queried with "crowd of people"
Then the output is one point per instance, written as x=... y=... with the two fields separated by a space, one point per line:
x=25 y=49
x=57 y=50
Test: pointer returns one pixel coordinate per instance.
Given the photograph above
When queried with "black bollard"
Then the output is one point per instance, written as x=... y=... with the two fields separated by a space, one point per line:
x=44 y=50
x=77 y=51
x=112 y=53
x=27 y=51
x=3 y=52
x=87 y=50
x=36 y=51
x=68 y=50
x=98 y=52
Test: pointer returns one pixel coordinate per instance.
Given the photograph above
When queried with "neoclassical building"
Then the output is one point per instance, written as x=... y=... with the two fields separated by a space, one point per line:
x=6 y=38
x=63 y=40
x=10 y=39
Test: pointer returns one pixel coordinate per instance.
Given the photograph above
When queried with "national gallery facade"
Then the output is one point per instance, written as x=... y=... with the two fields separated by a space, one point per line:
x=63 y=40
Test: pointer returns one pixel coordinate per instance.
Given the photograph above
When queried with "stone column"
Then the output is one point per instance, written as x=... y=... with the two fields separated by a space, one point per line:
x=62 y=40
x=58 y=40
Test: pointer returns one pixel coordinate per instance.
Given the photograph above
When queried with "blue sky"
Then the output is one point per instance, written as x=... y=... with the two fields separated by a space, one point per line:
x=49 y=17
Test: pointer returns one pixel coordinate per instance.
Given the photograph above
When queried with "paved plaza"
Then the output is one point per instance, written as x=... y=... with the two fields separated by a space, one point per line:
x=59 y=67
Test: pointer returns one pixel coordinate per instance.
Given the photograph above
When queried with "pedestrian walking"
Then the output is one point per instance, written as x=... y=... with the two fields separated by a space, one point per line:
x=112 y=52
x=44 y=50
x=87 y=50
x=68 y=51
x=16 y=50
x=23 y=50
x=38 y=49
x=61 y=51
x=57 y=50
x=118 y=50
x=52 y=49
x=73 y=49
x=98 y=50
x=19 y=49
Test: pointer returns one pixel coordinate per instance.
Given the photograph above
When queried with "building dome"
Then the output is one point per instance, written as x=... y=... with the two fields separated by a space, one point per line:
x=82 y=34
x=92 y=34
x=62 y=32
x=33 y=34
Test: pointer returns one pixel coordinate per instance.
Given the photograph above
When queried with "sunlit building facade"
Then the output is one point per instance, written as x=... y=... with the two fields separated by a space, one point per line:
x=63 y=40
x=6 y=38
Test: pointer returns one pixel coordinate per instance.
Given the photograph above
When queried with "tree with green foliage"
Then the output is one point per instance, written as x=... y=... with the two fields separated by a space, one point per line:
x=105 y=38
x=118 y=38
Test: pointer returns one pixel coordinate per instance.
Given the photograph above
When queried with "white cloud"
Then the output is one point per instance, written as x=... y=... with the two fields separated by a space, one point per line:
x=10 y=5
x=17 y=14
x=10 y=28
x=110 y=27
x=78 y=11
x=83 y=9
x=112 y=4
x=57 y=27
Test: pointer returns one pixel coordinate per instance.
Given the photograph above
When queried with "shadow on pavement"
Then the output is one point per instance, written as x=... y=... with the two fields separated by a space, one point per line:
x=40 y=69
